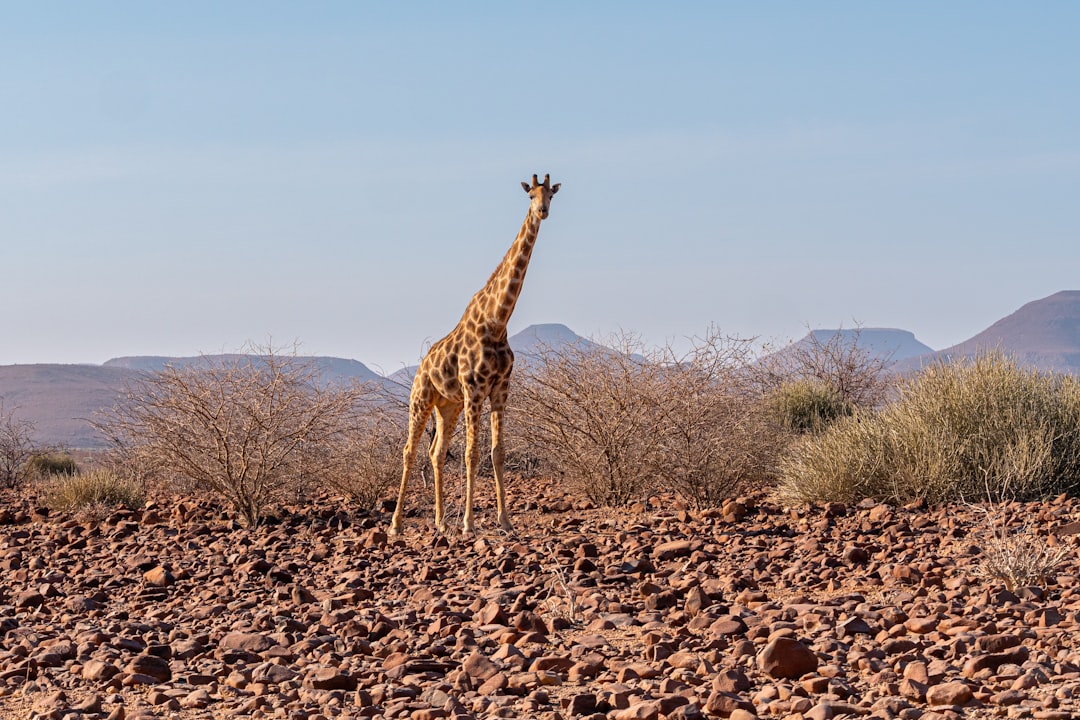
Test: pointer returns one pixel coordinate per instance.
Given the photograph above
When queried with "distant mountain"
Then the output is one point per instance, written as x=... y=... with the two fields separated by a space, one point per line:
x=890 y=344
x=1043 y=334
x=537 y=339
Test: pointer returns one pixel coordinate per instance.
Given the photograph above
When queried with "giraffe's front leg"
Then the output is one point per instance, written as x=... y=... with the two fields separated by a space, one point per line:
x=472 y=458
x=445 y=418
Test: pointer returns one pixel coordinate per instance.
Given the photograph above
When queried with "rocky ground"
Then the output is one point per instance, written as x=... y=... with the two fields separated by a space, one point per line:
x=751 y=610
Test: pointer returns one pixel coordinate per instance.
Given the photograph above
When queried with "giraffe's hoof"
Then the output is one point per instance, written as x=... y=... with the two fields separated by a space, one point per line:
x=395 y=529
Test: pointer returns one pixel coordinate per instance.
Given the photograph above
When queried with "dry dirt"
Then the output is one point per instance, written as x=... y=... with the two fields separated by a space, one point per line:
x=752 y=610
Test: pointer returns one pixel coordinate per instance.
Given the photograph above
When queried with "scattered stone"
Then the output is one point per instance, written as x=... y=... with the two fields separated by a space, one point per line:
x=248 y=642
x=746 y=611
x=951 y=693
x=150 y=665
x=159 y=577
x=786 y=657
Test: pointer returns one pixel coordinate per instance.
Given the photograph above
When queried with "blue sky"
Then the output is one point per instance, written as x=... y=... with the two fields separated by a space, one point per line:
x=178 y=178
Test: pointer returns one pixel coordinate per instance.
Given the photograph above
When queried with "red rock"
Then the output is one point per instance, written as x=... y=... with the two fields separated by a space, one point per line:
x=731 y=680
x=479 y=667
x=913 y=689
x=724 y=704
x=672 y=549
x=1016 y=656
x=155 y=667
x=29 y=599
x=638 y=711
x=786 y=657
x=99 y=670
x=492 y=614
x=329 y=678
x=248 y=642
x=728 y=626
x=582 y=704
x=855 y=625
x=494 y=684
x=922 y=625
x=951 y=693
x=159 y=577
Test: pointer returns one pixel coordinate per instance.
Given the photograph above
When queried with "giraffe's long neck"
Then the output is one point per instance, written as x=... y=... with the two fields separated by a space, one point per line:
x=495 y=302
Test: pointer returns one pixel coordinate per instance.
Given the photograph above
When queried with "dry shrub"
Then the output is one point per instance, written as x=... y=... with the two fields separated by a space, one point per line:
x=716 y=435
x=984 y=428
x=246 y=427
x=589 y=412
x=856 y=375
x=44 y=465
x=1017 y=556
x=807 y=406
x=16 y=446
x=93 y=491
x=366 y=461
x=619 y=422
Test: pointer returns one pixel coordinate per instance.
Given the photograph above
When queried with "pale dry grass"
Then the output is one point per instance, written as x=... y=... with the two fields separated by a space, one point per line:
x=94 y=492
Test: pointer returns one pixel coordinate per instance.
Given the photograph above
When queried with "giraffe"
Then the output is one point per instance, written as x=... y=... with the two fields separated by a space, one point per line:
x=470 y=365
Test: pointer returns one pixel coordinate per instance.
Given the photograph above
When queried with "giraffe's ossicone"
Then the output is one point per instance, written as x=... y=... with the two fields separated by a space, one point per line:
x=470 y=365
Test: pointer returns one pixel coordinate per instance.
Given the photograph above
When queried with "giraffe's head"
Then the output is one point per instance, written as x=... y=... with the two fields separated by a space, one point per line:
x=540 y=194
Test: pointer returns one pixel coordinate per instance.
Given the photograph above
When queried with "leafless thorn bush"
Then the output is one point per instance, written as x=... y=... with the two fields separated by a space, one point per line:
x=363 y=462
x=1017 y=556
x=16 y=446
x=245 y=427
x=589 y=411
x=716 y=435
x=620 y=422
x=561 y=600
x=855 y=373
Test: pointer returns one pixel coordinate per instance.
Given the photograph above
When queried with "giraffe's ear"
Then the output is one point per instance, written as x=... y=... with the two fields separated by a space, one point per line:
x=555 y=188
x=526 y=186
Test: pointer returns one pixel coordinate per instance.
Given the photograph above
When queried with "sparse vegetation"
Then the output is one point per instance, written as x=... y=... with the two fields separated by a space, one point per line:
x=49 y=464
x=715 y=433
x=247 y=427
x=622 y=423
x=853 y=373
x=590 y=412
x=93 y=491
x=16 y=447
x=1017 y=556
x=985 y=428
x=366 y=461
x=807 y=406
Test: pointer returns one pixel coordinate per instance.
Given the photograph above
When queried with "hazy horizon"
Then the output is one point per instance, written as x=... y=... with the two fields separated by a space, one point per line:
x=183 y=179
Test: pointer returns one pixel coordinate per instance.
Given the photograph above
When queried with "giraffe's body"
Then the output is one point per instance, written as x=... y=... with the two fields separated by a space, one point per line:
x=470 y=365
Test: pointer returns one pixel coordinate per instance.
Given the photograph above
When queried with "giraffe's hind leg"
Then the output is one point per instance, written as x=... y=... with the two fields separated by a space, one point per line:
x=473 y=410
